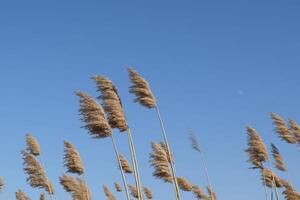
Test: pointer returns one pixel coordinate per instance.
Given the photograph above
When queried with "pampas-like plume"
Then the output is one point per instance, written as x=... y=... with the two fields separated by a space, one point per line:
x=148 y=193
x=20 y=195
x=1 y=184
x=109 y=195
x=72 y=159
x=256 y=150
x=269 y=178
x=133 y=191
x=211 y=193
x=295 y=129
x=118 y=187
x=159 y=160
x=93 y=116
x=199 y=193
x=279 y=162
x=125 y=164
x=289 y=192
x=141 y=89
x=169 y=154
x=111 y=103
x=282 y=129
x=37 y=177
x=184 y=184
x=43 y=196
x=75 y=186
x=33 y=146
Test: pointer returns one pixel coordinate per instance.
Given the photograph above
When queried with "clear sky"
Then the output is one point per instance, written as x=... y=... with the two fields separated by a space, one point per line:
x=214 y=67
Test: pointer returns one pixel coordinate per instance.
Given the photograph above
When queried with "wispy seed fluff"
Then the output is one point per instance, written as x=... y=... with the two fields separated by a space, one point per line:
x=160 y=162
x=279 y=162
x=109 y=195
x=72 y=160
x=141 y=89
x=20 y=195
x=133 y=191
x=282 y=129
x=268 y=176
x=111 y=103
x=148 y=193
x=289 y=192
x=33 y=146
x=184 y=184
x=165 y=148
x=75 y=186
x=125 y=164
x=118 y=187
x=295 y=129
x=43 y=196
x=92 y=114
x=199 y=193
x=212 y=194
x=37 y=177
x=256 y=150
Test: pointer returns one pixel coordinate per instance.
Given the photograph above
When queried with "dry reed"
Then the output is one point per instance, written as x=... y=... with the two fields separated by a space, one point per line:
x=282 y=129
x=33 y=146
x=148 y=193
x=289 y=192
x=198 y=192
x=279 y=162
x=37 y=177
x=72 y=160
x=118 y=187
x=295 y=129
x=133 y=191
x=270 y=178
x=184 y=184
x=43 y=196
x=75 y=186
x=125 y=164
x=211 y=193
x=109 y=195
x=20 y=195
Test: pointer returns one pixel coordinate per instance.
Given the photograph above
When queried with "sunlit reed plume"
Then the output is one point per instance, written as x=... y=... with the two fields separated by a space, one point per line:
x=72 y=160
x=125 y=164
x=289 y=192
x=37 y=177
x=270 y=178
x=148 y=193
x=211 y=193
x=198 y=192
x=93 y=116
x=118 y=187
x=184 y=184
x=20 y=195
x=109 y=195
x=282 y=129
x=169 y=154
x=279 y=162
x=75 y=186
x=295 y=129
x=43 y=196
x=133 y=191
x=33 y=146
x=159 y=161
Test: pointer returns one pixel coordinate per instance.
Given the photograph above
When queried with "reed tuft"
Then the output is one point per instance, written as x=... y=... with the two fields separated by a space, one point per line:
x=20 y=195
x=289 y=192
x=133 y=191
x=72 y=160
x=75 y=186
x=295 y=129
x=212 y=194
x=43 y=196
x=198 y=192
x=279 y=162
x=125 y=164
x=282 y=129
x=109 y=195
x=269 y=178
x=33 y=146
x=184 y=184
x=118 y=187
x=148 y=193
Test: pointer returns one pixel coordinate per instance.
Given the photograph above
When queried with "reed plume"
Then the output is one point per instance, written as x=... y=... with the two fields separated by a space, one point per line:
x=72 y=160
x=148 y=193
x=133 y=191
x=118 y=187
x=43 y=196
x=75 y=186
x=199 y=193
x=184 y=184
x=112 y=105
x=282 y=129
x=109 y=195
x=145 y=97
x=289 y=192
x=256 y=150
x=33 y=146
x=169 y=154
x=279 y=162
x=37 y=177
x=160 y=162
x=93 y=116
x=211 y=193
x=295 y=129
x=270 y=178
x=125 y=164
x=20 y=195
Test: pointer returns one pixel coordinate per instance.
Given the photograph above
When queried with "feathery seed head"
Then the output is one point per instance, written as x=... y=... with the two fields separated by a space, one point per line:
x=269 y=177
x=184 y=184
x=125 y=164
x=118 y=187
x=282 y=129
x=295 y=129
x=109 y=195
x=72 y=159
x=279 y=163
x=148 y=193
x=20 y=195
x=43 y=196
x=199 y=193
x=133 y=191
x=75 y=186
x=33 y=146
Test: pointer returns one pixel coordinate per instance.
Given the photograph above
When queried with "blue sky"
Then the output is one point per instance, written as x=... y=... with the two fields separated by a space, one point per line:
x=213 y=66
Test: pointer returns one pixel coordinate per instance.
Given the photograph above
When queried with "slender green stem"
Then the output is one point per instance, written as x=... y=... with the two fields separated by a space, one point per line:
x=175 y=183
x=120 y=166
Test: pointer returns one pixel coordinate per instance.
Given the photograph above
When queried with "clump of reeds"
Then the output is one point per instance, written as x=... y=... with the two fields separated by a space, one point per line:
x=72 y=160
x=20 y=195
x=125 y=164
x=43 y=196
x=279 y=162
x=270 y=178
x=133 y=191
x=94 y=117
x=37 y=177
x=148 y=193
x=282 y=129
x=198 y=192
x=75 y=186
x=33 y=146
x=184 y=184
x=160 y=162
x=118 y=187
x=109 y=195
